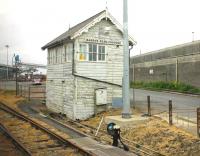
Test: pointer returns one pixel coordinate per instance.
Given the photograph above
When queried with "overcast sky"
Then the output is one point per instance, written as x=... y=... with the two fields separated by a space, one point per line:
x=26 y=25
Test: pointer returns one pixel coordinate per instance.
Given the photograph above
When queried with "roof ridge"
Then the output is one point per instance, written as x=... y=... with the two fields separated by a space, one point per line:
x=72 y=30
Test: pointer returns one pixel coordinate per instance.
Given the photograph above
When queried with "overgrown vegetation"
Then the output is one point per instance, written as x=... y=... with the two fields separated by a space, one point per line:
x=172 y=86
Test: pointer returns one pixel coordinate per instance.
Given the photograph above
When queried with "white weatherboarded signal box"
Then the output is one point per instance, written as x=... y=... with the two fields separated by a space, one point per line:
x=101 y=96
x=85 y=67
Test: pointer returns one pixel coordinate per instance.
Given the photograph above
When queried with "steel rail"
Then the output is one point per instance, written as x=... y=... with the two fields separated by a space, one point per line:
x=52 y=134
x=136 y=147
x=15 y=141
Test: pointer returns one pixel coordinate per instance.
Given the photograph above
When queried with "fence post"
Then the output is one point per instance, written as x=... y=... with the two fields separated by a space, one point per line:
x=21 y=90
x=198 y=122
x=149 y=105
x=170 y=112
x=29 y=93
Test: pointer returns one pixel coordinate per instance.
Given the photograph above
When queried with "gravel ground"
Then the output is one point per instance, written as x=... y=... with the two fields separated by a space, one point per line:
x=155 y=134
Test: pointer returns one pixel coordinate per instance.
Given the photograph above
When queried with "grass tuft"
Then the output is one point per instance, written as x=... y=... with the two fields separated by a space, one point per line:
x=172 y=86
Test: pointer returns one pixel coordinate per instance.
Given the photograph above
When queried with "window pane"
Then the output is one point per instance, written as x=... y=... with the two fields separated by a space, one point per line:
x=92 y=52
x=94 y=56
x=83 y=52
x=69 y=54
x=103 y=57
x=103 y=49
x=65 y=55
x=90 y=47
x=82 y=48
x=99 y=56
x=56 y=55
x=101 y=53
x=90 y=56
x=94 y=48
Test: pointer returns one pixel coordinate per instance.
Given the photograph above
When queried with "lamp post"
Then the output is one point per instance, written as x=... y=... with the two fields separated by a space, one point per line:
x=192 y=36
x=7 y=46
x=126 y=113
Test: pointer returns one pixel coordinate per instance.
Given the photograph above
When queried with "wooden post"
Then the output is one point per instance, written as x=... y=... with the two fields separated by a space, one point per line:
x=170 y=112
x=29 y=93
x=149 y=105
x=198 y=122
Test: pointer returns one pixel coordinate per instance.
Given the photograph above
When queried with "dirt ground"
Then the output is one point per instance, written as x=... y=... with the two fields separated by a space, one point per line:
x=9 y=97
x=154 y=133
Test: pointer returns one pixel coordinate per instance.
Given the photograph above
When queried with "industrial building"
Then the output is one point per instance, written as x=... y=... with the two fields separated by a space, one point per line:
x=180 y=63
x=7 y=72
x=85 y=67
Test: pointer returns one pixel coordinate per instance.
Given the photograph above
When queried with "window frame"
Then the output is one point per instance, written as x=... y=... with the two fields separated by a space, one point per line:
x=92 y=52
x=102 y=54
x=83 y=52
x=88 y=53
x=67 y=53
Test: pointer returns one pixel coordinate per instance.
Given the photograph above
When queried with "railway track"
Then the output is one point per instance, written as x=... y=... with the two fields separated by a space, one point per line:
x=7 y=146
x=15 y=147
x=89 y=130
x=32 y=138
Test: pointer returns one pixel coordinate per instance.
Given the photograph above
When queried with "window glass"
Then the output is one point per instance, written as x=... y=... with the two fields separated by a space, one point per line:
x=56 y=57
x=92 y=52
x=69 y=52
x=101 y=53
x=48 y=58
x=65 y=53
x=83 y=52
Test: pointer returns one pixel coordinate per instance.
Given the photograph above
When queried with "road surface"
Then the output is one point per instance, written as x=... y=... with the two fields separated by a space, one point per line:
x=182 y=104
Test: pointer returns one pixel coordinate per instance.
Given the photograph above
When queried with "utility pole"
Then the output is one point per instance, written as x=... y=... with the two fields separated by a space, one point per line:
x=126 y=113
x=7 y=46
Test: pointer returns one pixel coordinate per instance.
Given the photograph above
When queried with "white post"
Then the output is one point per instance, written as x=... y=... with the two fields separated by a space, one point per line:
x=125 y=88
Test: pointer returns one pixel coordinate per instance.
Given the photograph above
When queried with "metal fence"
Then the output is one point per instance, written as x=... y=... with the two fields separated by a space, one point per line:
x=32 y=91
x=25 y=89
x=180 y=117
x=7 y=85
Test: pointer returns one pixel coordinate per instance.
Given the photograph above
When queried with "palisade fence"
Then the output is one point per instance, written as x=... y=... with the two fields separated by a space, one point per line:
x=188 y=119
x=25 y=89
x=30 y=91
x=7 y=85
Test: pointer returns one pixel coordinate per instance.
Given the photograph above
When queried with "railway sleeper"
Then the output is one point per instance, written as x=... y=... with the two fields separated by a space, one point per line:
x=62 y=152
x=34 y=147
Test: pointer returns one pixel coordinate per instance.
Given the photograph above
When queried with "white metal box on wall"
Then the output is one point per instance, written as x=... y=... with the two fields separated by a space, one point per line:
x=101 y=96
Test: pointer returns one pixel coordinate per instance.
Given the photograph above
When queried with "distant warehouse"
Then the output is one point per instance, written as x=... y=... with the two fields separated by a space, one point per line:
x=177 y=63
x=84 y=71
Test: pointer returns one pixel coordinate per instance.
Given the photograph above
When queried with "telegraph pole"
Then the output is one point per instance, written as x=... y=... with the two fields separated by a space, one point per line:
x=125 y=84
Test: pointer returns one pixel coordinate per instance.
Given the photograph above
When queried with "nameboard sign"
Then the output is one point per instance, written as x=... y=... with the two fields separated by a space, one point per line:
x=102 y=41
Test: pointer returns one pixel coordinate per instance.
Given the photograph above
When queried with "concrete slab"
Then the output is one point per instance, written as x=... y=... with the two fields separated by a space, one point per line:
x=99 y=149
x=131 y=122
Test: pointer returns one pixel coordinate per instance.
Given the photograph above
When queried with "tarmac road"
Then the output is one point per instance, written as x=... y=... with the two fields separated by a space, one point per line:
x=183 y=104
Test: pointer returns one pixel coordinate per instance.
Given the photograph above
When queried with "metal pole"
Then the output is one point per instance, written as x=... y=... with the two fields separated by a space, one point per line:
x=170 y=112
x=125 y=89
x=198 y=122
x=29 y=93
x=149 y=105
x=16 y=78
x=176 y=70
x=192 y=36
x=7 y=46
